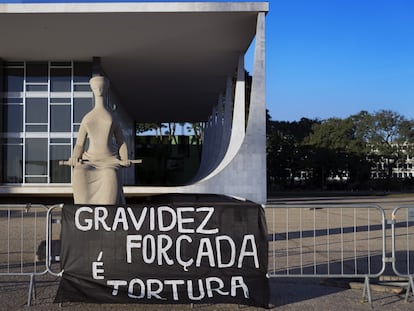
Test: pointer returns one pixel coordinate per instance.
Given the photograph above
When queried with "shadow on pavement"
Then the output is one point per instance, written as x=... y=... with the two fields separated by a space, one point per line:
x=288 y=291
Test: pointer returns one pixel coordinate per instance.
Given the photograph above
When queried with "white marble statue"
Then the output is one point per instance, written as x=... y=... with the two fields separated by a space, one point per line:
x=95 y=174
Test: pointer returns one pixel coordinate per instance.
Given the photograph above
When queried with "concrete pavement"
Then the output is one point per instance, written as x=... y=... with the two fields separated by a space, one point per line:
x=286 y=294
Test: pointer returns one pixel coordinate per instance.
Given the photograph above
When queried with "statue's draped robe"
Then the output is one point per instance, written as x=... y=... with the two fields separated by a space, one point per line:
x=96 y=181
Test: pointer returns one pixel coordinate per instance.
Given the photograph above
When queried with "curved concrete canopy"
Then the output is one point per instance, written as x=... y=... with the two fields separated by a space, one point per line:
x=166 y=61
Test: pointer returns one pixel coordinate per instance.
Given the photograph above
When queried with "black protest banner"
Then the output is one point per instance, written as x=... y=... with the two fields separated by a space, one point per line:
x=171 y=249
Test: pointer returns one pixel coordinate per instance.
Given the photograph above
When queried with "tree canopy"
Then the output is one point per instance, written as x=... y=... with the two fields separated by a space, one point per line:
x=316 y=152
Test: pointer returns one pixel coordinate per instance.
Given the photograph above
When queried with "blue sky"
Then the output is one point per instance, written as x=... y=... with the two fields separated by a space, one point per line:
x=334 y=58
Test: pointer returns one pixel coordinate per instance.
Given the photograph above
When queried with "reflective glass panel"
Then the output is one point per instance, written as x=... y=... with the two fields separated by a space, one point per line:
x=36 y=110
x=36 y=128
x=59 y=173
x=36 y=72
x=36 y=87
x=82 y=71
x=80 y=107
x=36 y=180
x=13 y=140
x=12 y=164
x=60 y=118
x=13 y=118
x=36 y=156
x=60 y=79
x=60 y=140
x=60 y=64
x=82 y=88
x=14 y=64
x=60 y=100
x=13 y=100
x=13 y=81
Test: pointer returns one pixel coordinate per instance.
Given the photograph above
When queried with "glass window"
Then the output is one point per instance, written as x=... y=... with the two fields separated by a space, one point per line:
x=13 y=140
x=81 y=106
x=36 y=110
x=82 y=72
x=59 y=173
x=60 y=100
x=60 y=64
x=82 y=88
x=36 y=156
x=60 y=118
x=60 y=79
x=13 y=118
x=60 y=140
x=36 y=72
x=36 y=87
x=15 y=64
x=36 y=128
x=36 y=180
x=12 y=164
x=14 y=78
x=39 y=104
x=13 y=100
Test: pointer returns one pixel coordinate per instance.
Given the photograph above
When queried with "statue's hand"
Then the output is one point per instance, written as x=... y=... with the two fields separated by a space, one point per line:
x=73 y=162
x=125 y=163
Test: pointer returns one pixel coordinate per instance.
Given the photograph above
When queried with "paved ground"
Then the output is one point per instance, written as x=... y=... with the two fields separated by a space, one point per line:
x=286 y=294
x=291 y=294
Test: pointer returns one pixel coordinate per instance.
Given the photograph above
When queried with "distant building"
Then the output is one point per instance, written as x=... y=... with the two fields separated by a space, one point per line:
x=402 y=169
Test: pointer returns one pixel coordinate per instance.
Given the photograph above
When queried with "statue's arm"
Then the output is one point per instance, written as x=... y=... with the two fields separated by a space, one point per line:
x=123 y=148
x=79 y=146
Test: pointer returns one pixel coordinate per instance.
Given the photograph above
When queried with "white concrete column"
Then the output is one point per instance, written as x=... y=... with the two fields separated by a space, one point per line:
x=211 y=153
x=239 y=112
x=219 y=133
x=257 y=112
x=205 y=151
x=242 y=172
x=238 y=122
x=228 y=109
x=256 y=126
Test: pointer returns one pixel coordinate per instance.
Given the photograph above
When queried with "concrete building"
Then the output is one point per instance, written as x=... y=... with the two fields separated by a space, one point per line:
x=166 y=62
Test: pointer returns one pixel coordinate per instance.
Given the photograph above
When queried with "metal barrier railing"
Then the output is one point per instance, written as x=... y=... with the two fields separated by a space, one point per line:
x=327 y=241
x=306 y=241
x=23 y=242
x=402 y=227
x=54 y=218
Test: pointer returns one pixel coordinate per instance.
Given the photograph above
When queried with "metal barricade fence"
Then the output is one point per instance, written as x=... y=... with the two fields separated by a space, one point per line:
x=23 y=242
x=327 y=241
x=54 y=217
x=305 y=241
x=402 y=226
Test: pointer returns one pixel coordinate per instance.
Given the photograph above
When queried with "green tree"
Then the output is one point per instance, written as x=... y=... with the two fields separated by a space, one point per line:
x=198 y=134
x=338 y=150
x=287 y=155
x=335 y=146
x=144 y=127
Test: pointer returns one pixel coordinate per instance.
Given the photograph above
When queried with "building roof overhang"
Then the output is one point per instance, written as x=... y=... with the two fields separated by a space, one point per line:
x=166 y=61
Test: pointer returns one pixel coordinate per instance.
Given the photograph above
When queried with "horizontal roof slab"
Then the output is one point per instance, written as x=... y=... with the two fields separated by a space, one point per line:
x=166 y=61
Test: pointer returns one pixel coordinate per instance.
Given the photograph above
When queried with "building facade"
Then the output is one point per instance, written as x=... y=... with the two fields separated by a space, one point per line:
x=166 y=62
x=43 y=103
